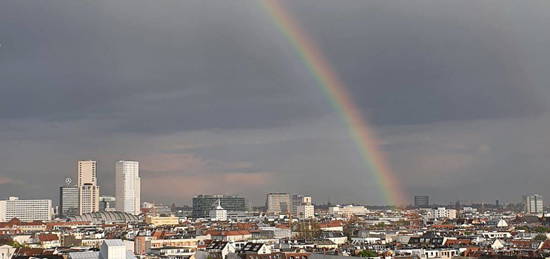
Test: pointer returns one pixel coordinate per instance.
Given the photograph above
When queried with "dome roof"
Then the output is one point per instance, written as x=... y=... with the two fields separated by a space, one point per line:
x=106 y=217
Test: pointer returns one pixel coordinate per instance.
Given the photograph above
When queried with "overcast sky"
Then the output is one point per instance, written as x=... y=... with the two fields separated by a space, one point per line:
x=211 y=98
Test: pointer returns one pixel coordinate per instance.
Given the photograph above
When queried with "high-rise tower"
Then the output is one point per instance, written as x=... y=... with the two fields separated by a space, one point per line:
x=128 y=187
x=87 y=186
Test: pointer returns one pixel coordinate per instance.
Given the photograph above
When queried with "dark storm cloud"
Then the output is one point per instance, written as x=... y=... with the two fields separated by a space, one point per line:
x=411 y=62
x=166 y=62
x=147 y=65
x=204 y=89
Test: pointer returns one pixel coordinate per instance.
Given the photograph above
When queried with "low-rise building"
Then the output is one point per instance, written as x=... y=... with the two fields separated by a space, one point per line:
x=162 y=221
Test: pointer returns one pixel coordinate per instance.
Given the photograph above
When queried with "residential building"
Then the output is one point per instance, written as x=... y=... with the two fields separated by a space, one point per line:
x=278 y=203
x=442 y=213
x=173 y=252
x=302 y=206
x=256 y=248
x=533 y=204
x=128 y=187
x=202 y=204
x=162 y=221
x=218 y=249
x=25 y=210
x=305 y=211
x=347 y=210
x=298 y=200
x=7 y=251
x=156 y=209
x=110 y=249
x=231 y=235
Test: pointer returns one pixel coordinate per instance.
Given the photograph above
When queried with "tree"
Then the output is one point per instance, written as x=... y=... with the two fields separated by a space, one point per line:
x=540 y=237
x=368 y=253
x=541 y=229
x=380 y=225
x=16 y=244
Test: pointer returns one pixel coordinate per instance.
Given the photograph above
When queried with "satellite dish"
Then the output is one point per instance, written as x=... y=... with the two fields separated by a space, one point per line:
x=68 y=180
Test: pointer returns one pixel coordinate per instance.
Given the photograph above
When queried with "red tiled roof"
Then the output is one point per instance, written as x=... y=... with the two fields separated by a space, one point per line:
x=451 y=242
x=245 y=226
x=47 y=237
x=157 y=234
x=444 y=226
x=546 y=245
x=331 y=224
x=29 y=251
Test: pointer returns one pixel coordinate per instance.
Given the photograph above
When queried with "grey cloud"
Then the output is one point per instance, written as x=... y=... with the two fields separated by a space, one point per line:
x=414 y=62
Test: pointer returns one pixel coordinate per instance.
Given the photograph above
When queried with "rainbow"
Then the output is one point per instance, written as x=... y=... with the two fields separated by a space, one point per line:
x=340 y=99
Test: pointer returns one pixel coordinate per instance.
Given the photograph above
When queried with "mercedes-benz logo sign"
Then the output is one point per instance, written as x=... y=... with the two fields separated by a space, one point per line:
x=68 y=180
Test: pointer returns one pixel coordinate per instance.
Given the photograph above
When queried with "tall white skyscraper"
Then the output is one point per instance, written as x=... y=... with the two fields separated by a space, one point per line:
x=87 y=172
x=128 y=187
x=87 y=186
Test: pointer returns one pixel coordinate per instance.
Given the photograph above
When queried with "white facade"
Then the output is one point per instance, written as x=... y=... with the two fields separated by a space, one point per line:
x=87 y=172
x=297 y=200
x=25 y=210
x=502 y=224
x=110 y=249
x=495 y=234
x=218 y=213
x=113 y=249
x=128 y=187
x=3 y=211
x=442 y=213
x=300 y=200
x=87 y=186
x=533 y=204
x=305 y=211
x=348 y=210
x=88 y=198
x=6 y=251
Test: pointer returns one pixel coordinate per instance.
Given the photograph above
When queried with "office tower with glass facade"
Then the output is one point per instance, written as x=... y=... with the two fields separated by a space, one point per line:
x=422 y=201
x=278 y=203
x=68 y=201
x=202 y=204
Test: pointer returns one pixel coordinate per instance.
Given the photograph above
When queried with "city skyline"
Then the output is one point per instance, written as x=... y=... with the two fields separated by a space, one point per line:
x=411 y=201
x=292 y=198
x=456 y=93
